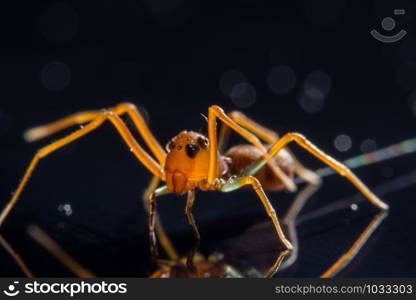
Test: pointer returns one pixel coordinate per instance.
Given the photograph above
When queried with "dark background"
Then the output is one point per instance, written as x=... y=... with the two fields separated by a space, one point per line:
x=175 y=58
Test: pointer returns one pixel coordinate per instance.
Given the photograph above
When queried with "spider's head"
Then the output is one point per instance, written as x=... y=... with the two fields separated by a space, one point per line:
x=187 y=161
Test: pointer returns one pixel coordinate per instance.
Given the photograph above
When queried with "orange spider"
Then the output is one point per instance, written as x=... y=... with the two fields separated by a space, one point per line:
x=194 y=161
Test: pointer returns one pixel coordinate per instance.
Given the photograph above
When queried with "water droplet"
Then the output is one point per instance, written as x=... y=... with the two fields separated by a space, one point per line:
x=354 y=207
x=66 y=209
x=131 y=149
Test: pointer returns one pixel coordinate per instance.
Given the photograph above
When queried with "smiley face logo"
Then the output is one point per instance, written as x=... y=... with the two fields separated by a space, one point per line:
x=389 y=24
x=11 y=290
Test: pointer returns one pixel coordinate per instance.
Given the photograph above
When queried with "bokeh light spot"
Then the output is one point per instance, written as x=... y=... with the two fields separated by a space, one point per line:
x=368 y=145
x=316 y=87
x=55 y=76
x=281 y=80
x=312 y=101
x=343 y=143
x=318 y=80
x=243 y=95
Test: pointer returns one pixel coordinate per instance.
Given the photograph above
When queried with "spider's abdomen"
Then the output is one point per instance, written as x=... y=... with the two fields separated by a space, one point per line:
x=243 y=156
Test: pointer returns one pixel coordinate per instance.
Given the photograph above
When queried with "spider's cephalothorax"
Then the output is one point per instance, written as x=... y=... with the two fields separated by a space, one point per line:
x=187 y=162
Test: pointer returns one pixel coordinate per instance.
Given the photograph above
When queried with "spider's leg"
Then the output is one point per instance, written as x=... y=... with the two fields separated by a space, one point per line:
x=215 y=112
x=191 y=221
x=19 y=261
x=273 y=270
x=255 y=184
x=270 y=137
x=121 y=128
x=143 y=129
x=223 y=138
x=336 y=165
x=151 y=204
x=83 y=117
x=346 y=258
x=239 y=182
x=163 y=238
x=56 y=250
x=236 y=183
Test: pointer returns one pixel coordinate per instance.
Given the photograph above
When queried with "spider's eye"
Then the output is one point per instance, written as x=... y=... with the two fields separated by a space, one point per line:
x=170 y=146
x=202 y=142
x=191 y=150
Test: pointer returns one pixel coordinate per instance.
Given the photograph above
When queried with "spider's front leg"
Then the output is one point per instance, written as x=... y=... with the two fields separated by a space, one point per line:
x=151 y=208
x=161 y=234
x=191 y=221
x=215 y=112
x=156 y=231
x=214 y=183
x=270 y=137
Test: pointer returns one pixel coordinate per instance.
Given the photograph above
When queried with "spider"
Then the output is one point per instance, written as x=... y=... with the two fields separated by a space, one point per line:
x=194 y=161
